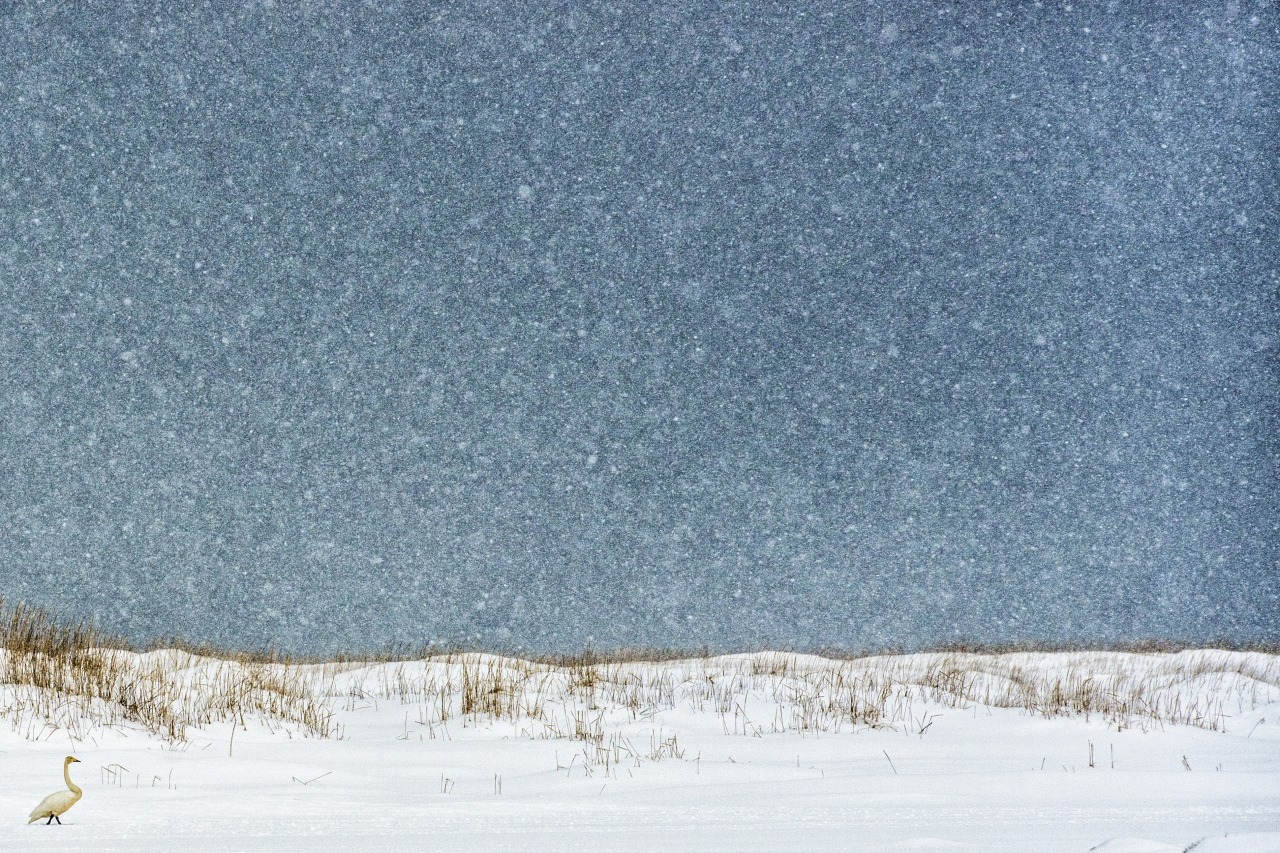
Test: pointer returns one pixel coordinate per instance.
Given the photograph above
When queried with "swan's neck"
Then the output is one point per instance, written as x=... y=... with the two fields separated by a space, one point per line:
x=66 y=774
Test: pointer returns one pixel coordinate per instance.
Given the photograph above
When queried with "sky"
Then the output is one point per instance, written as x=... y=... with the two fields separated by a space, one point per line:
x=339 y=326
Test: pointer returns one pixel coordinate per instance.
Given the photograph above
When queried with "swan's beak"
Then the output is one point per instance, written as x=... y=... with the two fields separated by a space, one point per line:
x=76 y=760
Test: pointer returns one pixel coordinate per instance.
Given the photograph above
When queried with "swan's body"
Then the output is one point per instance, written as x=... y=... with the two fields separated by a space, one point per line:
x=59 y=801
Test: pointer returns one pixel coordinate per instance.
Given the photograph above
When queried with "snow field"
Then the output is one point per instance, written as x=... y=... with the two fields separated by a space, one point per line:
x=754 y=752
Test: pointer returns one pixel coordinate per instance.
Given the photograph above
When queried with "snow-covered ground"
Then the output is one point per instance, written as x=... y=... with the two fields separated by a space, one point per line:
x=734 y=754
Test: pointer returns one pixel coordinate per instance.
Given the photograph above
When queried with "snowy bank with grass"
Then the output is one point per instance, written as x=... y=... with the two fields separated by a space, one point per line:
x=1065 y=751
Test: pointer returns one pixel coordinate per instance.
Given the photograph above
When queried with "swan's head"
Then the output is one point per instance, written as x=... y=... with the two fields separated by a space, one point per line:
x=71 y=759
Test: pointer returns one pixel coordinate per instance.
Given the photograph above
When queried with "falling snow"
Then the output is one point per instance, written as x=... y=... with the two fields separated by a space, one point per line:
x=337 y=326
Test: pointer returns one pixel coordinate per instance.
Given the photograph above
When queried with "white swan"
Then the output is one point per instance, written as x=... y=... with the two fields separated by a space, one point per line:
x=59 y=801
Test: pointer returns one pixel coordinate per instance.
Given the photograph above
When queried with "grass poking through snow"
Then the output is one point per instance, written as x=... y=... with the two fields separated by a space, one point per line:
x=57 y=677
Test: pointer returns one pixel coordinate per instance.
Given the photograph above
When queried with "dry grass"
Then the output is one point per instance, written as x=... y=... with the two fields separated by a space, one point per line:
x=54 y=676
x=58 y=677
x=602 y=704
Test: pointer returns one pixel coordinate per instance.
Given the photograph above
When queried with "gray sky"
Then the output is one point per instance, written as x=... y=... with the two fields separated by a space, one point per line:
x=332 y=326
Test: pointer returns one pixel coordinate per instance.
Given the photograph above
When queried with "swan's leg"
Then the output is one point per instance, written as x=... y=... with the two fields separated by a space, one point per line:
x=50 y=820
